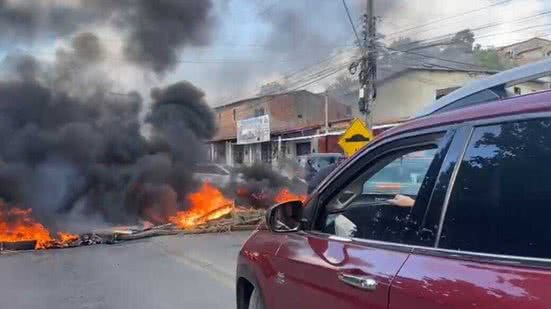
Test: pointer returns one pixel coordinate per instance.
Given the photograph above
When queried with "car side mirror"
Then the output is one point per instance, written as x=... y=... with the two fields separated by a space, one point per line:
x=285 y=217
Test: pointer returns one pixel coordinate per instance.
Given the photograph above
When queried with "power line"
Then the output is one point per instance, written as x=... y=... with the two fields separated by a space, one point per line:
x=482 y=27
x=433 y=57
x=513 y=31
x=447 y=18
x=351 y=21
x=321 y=77
x=489 y=25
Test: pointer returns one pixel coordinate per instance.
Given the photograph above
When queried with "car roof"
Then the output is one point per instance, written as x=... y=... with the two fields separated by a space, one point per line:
x=511 y=77
x=530 y=103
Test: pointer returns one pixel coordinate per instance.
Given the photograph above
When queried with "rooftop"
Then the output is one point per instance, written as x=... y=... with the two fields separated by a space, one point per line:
x=293 y=92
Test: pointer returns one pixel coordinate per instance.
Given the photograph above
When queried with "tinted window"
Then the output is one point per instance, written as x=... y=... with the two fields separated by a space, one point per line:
x=501 y=200
x=475 y=98
x=368 y=207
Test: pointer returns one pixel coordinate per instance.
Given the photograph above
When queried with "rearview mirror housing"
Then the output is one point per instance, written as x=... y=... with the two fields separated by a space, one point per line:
x=285 y=217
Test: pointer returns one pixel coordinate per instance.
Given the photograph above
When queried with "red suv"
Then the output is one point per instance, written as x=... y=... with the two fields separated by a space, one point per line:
x=472 y=230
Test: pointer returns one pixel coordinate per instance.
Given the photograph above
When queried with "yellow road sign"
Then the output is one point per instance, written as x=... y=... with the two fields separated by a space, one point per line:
x=356 y=136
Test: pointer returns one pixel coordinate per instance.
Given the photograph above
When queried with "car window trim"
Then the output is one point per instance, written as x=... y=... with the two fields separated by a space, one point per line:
x=502 y=259
x=481 y=256
x=510 y=260
x=376 y=144
x=323 y=193
x=506 y=118
x=442 y=130
x=451 y=184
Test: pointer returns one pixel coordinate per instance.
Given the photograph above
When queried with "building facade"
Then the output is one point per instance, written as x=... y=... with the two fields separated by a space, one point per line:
x=527 y=51
x=299 y=122
x=402 y=94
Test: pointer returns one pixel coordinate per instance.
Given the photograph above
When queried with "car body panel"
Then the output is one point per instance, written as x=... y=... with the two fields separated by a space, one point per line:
x=436 y=282
x=304 y=271
x=255 y=261
x=309 y=265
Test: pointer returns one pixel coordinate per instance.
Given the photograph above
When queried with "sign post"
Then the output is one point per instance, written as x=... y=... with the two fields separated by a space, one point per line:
x=355 y=138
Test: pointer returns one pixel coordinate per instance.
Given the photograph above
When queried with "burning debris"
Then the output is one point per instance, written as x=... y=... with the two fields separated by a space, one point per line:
x=80 y=151
x=207 y=204
x=209 y=211
x=18 y=226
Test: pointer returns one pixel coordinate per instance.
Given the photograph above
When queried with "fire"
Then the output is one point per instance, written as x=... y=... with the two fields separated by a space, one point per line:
x=17 y=224
x=206 y=204
x=285 y=195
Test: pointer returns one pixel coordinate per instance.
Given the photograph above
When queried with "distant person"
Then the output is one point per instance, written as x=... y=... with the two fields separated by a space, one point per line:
x=320 y=175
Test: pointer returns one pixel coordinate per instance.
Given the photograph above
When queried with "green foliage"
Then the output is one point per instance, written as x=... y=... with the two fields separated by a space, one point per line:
x=490 y=59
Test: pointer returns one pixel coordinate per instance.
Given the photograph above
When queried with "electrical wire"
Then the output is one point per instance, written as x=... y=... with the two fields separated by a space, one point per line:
x=434 y=21
x=482 y=27
x=434 y=57
x=351 y=22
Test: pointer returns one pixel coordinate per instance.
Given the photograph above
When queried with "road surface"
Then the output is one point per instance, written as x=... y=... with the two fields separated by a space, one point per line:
x=182 y=271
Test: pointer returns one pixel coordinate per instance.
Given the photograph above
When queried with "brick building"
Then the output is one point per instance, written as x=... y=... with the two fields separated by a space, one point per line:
x=296 y=126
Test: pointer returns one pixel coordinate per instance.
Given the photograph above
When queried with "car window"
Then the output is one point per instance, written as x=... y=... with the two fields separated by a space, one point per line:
x=404 y=175
x=501 y=200
x=378 y=202
x=210 y=169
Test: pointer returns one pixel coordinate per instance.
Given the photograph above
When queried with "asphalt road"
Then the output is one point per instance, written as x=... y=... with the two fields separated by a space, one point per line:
x=183 y=271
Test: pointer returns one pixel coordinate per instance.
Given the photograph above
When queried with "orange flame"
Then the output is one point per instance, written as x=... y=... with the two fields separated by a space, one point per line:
x=285 y=195
x=17 y=224
x=206 y=204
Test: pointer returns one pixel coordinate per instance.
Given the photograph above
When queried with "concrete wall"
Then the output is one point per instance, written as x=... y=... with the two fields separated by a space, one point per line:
x=403 y=96
x=528 y=51
x=287 y=112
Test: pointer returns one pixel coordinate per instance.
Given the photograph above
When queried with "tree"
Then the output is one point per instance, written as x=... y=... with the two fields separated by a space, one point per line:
x=489 y=58
x=463 y=40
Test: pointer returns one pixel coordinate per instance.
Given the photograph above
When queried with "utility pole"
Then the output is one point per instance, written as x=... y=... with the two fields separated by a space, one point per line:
x=368 y=63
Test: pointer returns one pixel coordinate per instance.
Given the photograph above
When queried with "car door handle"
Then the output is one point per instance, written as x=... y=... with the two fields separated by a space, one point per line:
x=362 y=282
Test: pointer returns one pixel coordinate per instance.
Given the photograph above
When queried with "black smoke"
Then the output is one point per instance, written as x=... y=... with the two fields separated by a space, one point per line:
x=153 y=32
x=73 y=146
x=260 y=184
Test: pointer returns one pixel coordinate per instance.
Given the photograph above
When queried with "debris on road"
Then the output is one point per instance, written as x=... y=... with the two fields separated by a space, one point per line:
x=239 y=219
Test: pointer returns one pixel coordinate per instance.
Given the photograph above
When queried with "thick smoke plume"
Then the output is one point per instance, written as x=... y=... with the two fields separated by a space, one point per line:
x=261 y=184
x=72 y=147
x=153 y=32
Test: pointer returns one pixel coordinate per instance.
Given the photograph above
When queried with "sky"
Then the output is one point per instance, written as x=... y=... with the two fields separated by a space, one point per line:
x=244 y=36
x=253 y=42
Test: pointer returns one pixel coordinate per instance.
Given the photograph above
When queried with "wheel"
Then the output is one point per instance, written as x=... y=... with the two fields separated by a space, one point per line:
x=256 y=301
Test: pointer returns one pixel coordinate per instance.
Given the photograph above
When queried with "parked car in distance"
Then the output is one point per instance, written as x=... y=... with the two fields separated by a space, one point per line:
x=314 y=162
x=216 y=174
x=476 y=234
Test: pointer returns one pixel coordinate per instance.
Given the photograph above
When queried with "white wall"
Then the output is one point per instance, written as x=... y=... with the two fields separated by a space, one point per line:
x=403 y=96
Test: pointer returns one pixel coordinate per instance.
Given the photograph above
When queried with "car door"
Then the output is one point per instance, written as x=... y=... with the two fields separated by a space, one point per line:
x=493 y=246
x=353 y=246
